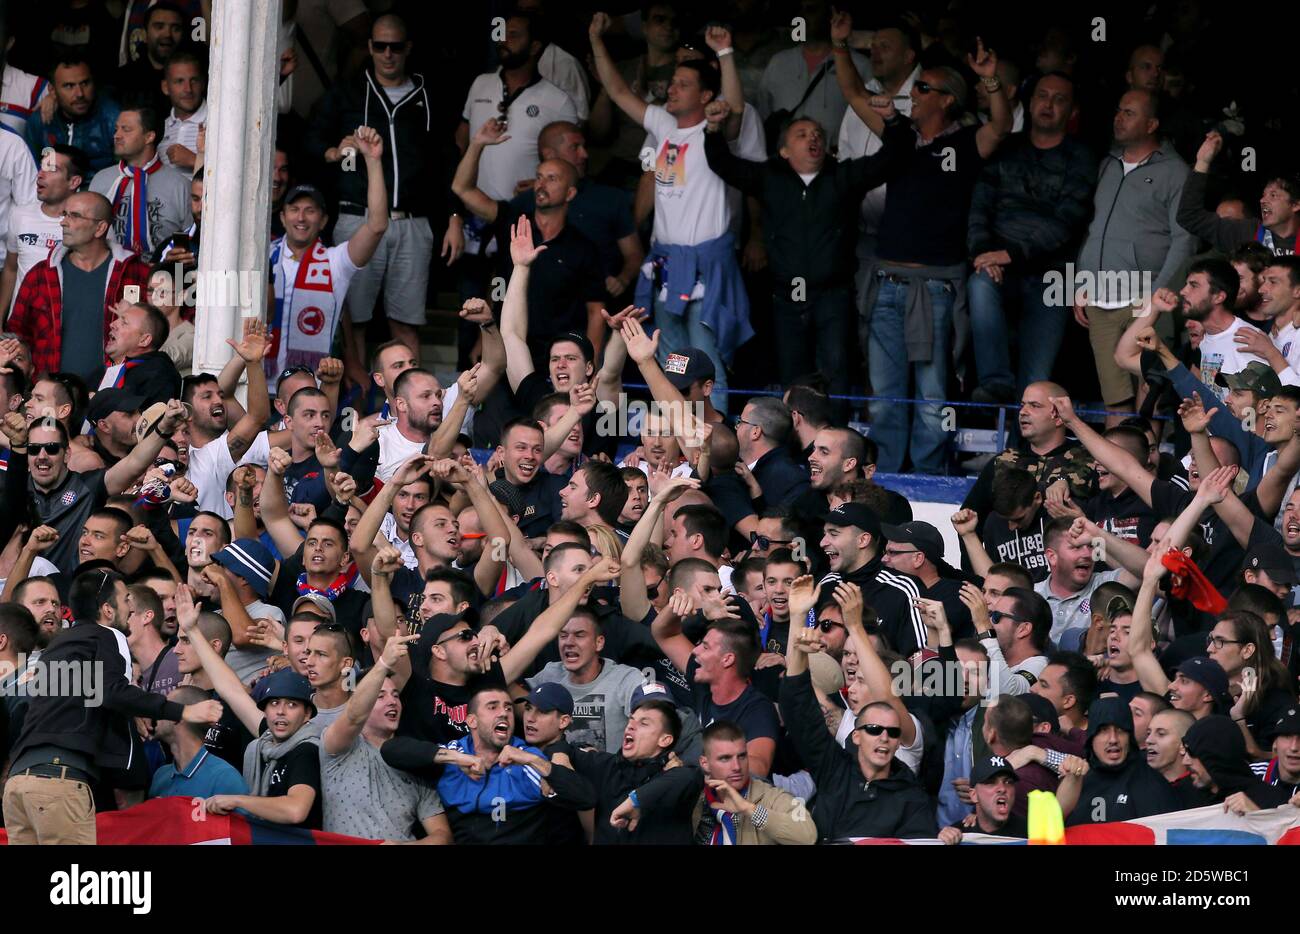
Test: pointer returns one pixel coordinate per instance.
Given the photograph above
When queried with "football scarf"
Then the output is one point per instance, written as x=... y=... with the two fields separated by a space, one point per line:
x=724 y=826
x=335 y=589
x=305 y=312
x=134 y=235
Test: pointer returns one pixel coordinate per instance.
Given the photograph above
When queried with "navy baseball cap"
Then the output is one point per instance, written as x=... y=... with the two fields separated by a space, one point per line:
x=651 y=691
x=551 y=696
x=573 y=337
x=305 y=191
x=1208 y=673
x=688 y=366
x=251 y=560
x=285 y=683
x=989 y=768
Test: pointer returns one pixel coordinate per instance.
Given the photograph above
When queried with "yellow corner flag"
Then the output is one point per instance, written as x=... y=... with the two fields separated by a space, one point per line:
x=1046 y=825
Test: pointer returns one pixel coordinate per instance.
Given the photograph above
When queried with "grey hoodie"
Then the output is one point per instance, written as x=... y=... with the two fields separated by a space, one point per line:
x=1134 y=225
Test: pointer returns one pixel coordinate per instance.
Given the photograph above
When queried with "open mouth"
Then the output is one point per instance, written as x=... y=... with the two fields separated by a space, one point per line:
x=501 y=729
x=527 y=469
x=814 y=470
x=571 y=655
x=628 y=742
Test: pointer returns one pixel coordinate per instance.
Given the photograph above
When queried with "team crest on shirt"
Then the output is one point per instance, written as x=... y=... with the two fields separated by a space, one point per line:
x=533 y=110
x=69 y=497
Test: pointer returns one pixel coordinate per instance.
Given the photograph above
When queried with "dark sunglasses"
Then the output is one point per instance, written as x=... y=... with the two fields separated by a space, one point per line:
x=49 y=447
x=826 y=625
x=998 y=616
x=465 y=635
x=875 y=729
x=926 y=88
x=763 y=542
x=652 y=591
x=387 y=46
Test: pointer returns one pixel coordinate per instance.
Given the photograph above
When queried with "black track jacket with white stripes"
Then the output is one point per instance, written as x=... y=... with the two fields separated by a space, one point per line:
x=891 y=595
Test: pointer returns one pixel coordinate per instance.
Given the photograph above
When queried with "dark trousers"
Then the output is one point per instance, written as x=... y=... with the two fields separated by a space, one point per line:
x=815 y=335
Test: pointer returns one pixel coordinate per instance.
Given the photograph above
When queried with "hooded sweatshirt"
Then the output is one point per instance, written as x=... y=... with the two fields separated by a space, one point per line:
x=1217 y=742
x=1120 y=792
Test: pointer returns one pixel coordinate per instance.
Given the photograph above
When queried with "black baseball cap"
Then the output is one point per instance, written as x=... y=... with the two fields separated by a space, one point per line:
x=1273 y=559
x=989 y=768
x=438 y=626
x=921 y=535
x=857 y=515
x=305 y=191
x=1042 y=710
x=688 y=366
x=107 y=401
x=573 y=337
x=1287 y=725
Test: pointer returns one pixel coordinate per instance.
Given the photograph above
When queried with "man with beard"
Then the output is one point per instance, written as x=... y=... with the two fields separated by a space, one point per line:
x=363 y=795
x=311 y=280
x=185 y=85
x=1283 y=770
x=1072 y=577
x=417 y=403
x=1214 y=752
x=506 y=773
x=1277 y=342
x=41 y=597
x=994 y=782
x=737 y=809
x=34 y=229
x=1250 y=260
x=141 y=80
x=1116 y=784
x=215 y=449
x=83 y=116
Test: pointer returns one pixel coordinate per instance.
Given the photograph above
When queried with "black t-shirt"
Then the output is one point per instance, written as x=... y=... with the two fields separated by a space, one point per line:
x=1273 y=704
x=1225 y=554
x=536 y=386
x=542 y=504
x=1124 y=516
x=947 y=591
x=434 y=710
x=751 y=711
x=1022 y=547
x=1126 y=692
x=299 y=767
x=228 y=737
x=304 y=482
x=927 y=206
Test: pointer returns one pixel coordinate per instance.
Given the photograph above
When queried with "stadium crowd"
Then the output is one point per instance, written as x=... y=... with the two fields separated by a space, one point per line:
x=525 y=601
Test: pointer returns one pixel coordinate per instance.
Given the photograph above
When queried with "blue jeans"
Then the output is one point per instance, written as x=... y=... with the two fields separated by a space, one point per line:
x=687 y=330
x=891 y=374
x=1042 y=328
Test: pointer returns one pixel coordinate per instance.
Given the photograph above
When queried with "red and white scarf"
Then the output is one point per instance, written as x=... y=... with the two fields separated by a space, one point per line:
x=135 y=235
x=305 y=312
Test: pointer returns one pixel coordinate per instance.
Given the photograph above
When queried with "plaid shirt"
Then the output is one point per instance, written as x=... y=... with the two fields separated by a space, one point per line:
x=37 y=316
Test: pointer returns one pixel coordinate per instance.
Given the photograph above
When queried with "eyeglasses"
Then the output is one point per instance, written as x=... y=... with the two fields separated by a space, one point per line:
x=998 y=616
x=895 y=554
x=388 y=46
x=465 y=635
x=875 y=729
x=78 y=216
x=762 y=542
x=926 y=88
x=49 y=447
x=826 y=625
x=1219 y=642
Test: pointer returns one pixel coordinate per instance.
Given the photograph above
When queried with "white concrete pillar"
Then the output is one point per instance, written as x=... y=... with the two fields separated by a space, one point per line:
x=243 y=75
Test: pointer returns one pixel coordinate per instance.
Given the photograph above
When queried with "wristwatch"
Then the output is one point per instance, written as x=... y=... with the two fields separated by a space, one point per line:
x=991 y=83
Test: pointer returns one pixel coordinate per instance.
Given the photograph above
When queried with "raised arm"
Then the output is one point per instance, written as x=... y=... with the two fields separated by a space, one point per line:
x=1111 y=456
x=1273 y=485
x=966 y=522
x=125 y=472
x=251 y=350
x=514 y=310
x=546 y=628
x=363 y=538
x=610 y=79
x=873 y=670
x=275 y=505
x=718 y=39
x=1141 y=643
x=340 y=734
x=465 y=183
x=363 y=243
x=444 y=438
x=985 y=65
x=477 y=311
x=245 y=523
x=1216 y=490
x=667 y=629
x=642 y=349
x=582 y=400
x=632 y=590
x=224 y=679
x=609 y=379
x=852 y=89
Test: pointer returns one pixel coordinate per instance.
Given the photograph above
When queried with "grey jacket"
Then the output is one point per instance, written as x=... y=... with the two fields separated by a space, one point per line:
x=1134 y=224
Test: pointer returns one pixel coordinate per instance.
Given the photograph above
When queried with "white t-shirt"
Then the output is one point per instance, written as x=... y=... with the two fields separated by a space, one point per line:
x=211 y=465
x=388 y=529
x=20 y=92
x=394 y=449
x=749 y=144
x=17 y=178
x=911 y=755
x=1221 y=354
x=690 y=199
x=41 y=567
x=504 y=164
x=185 y=132
x=1287 y=341
x=449 y=399
x=31 y=235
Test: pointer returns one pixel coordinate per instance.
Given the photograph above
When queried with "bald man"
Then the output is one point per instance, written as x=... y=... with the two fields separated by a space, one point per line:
x=65 y=303
x=567 y=282
x=397 y=104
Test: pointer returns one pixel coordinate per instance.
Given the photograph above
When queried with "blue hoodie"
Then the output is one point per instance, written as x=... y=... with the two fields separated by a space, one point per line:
x=519 y=786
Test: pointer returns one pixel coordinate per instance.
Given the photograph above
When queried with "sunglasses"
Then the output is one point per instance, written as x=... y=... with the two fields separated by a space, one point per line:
x=465 y=635
x=926 y=88
x=875 y=729
x=652 y=591
x=762 y=542
x=998 y=616
x=826 y=625
x=387 y=46
x=49 y=447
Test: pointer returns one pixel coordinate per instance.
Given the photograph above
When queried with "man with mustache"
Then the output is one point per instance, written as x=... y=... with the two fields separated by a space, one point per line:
x=141 y=80
x=41 y=597
x=1071 y=578
x=994 y=781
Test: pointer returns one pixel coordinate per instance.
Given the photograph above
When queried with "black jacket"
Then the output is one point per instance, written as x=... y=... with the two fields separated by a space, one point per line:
x=95 y=718
x=1125 y=791
x=847 y=806
x=810 y=231
x=1217 y=742
x=891 y=596
x=779 y=477
x=416 y=165
x=152 y=375
x=666 y=796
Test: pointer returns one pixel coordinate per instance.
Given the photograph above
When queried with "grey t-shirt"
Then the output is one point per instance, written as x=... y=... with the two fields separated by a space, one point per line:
x=249 y=661
x=365 y=797
x=327 y=715
x=600 y=707
x=82 y=329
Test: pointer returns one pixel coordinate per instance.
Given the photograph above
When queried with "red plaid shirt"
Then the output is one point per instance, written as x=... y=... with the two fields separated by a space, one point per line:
x=37 y=317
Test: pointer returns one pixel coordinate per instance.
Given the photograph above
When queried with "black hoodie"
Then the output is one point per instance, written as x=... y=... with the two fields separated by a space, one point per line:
x=1217 y=742
x=891 y=596
x=846 y=805
x=1125 y=791
x=666 y=796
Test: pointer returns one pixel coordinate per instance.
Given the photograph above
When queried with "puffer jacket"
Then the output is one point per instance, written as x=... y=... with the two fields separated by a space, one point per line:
x=93 y=134
x=1033 y=203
